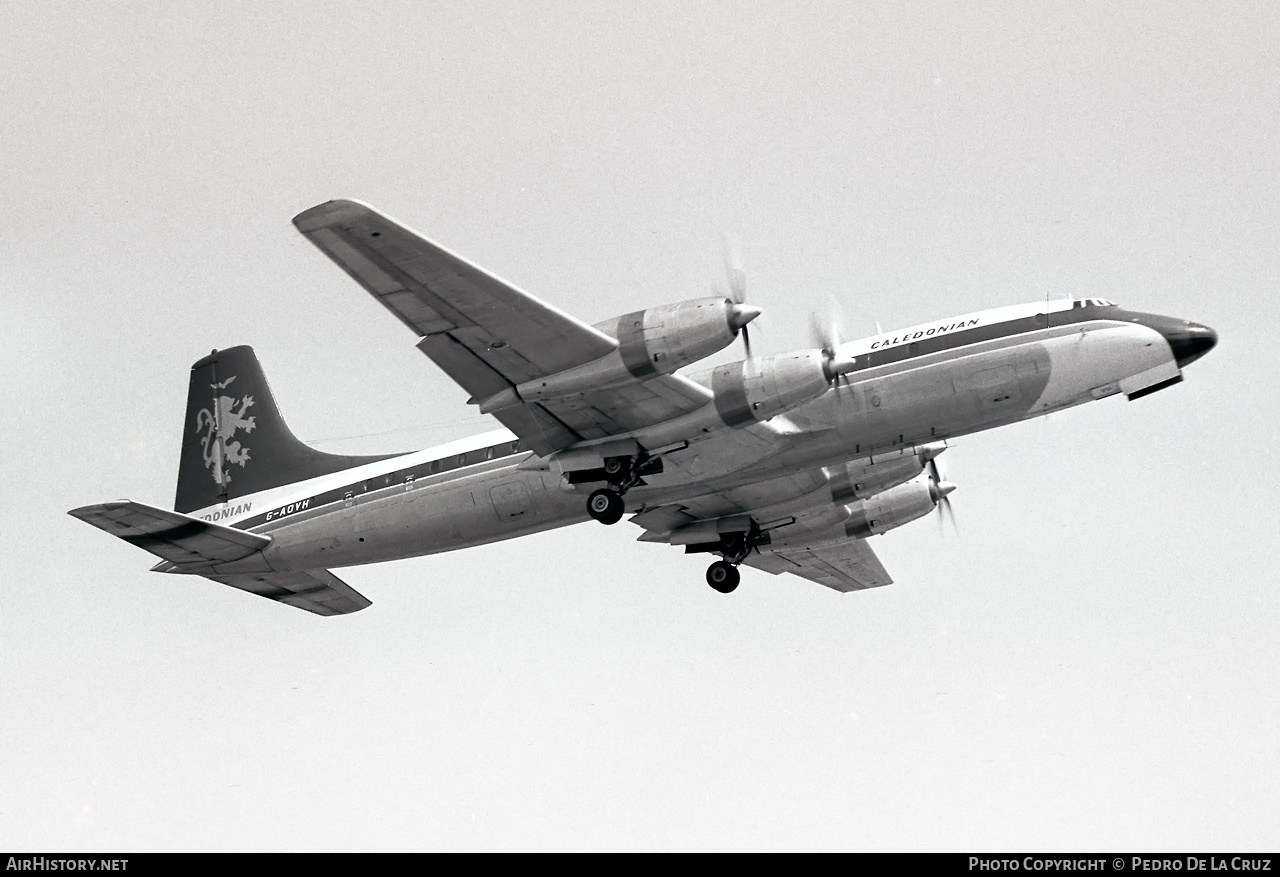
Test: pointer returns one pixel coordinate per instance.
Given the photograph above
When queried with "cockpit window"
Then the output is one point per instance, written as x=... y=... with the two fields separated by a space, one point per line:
x=1093 y=302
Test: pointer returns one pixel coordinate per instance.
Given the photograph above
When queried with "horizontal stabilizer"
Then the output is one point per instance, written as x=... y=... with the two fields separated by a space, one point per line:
x=315 y=590
x=175 y=537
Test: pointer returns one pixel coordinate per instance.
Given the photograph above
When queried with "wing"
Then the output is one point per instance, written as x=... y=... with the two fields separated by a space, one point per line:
x=485 y=333
x=828 y=556
x=845 y=564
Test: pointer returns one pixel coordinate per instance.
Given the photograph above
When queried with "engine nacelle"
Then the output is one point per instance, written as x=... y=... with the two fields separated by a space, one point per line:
x=896 y=506
x=756 y=390
x=812 y=519
x=657 y=341
x=881 y=513
x=752 y=392
x=660 y=340
x=864 y=478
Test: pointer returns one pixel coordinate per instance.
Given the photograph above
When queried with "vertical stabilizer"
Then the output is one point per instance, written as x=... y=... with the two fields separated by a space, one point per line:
x=235 y=442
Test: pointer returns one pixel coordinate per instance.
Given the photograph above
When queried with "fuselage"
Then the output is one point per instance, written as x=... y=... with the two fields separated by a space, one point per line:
x=909 y=388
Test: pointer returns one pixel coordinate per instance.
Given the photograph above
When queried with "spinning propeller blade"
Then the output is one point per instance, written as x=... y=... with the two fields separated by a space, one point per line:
x=735 y=289
x=941 y=491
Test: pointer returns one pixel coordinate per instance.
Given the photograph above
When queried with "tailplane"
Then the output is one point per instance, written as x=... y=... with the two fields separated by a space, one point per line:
x=235 y=442
x=224 y=554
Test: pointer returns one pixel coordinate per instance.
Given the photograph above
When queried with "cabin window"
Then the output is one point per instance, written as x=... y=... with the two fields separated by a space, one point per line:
x=434 y=467
x=488 y=453
x=462 y=459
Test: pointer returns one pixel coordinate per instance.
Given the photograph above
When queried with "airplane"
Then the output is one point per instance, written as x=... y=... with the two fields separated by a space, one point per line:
x=786 y=463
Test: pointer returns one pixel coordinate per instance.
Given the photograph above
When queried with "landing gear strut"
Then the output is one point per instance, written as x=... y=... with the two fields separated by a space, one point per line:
x=622 y=473
x=723 y=576
x=734 y=547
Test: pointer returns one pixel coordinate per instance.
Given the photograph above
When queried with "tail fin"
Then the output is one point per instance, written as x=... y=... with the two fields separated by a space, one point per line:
x=235 y=441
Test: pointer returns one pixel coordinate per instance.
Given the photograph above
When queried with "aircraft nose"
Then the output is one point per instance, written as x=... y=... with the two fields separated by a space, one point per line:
x=1191 y=342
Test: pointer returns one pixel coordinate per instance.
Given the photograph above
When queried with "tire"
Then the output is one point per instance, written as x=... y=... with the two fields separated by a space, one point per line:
x=616 y=469
x=723 y=576
x=606 y=506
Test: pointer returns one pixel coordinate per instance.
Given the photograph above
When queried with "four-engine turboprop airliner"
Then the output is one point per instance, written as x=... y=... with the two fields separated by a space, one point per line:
x=785 y=463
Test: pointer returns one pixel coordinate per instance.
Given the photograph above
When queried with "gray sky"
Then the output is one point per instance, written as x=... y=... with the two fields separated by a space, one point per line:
x=1089 y=665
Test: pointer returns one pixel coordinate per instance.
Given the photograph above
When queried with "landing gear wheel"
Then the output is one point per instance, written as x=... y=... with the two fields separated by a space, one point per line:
x=606 y=506
x=723 y=576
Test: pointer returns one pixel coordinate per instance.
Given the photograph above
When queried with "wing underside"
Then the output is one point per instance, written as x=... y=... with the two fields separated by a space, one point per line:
x=828 y=556
x=488 y=335
x=847 y=564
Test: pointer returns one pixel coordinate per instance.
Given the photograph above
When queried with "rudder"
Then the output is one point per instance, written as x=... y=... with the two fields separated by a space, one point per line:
x=235 y=442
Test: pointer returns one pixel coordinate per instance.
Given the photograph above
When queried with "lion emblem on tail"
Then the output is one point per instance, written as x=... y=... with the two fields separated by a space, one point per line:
x=220 y=428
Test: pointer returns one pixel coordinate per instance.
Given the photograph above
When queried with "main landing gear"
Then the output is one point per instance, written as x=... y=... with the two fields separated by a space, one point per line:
x=606 y=506
x=734 y=547
x=623 y=473
x=723 y=576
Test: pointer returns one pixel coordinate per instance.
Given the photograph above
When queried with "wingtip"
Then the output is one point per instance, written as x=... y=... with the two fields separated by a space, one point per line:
x=331 y=213
x=84 y=512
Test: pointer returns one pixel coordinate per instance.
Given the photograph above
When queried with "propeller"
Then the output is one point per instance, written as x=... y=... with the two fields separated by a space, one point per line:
x=825 y=333
x=940 y=490
x=736 y=291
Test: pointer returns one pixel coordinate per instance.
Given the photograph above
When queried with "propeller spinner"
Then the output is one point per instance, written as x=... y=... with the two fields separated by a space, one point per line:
x=736 y=279
x=826 y=335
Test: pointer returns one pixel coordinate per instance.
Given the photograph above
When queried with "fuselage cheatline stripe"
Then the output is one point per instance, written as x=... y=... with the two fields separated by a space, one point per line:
x=400 y=477
x=877 y=357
